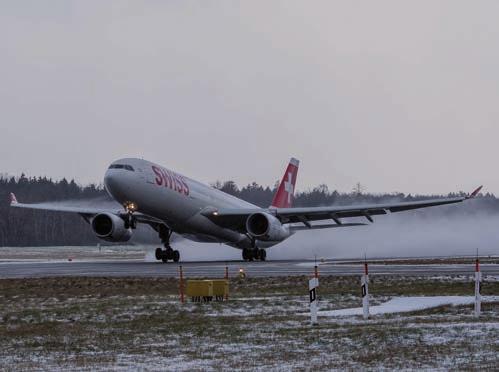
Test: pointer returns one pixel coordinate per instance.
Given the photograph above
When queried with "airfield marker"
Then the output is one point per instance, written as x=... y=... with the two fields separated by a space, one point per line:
x=312 y=285
x=365 y=291
x=478 y=285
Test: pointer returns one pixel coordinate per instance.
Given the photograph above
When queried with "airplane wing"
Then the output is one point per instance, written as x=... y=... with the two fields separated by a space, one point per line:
x=85 y=212
x=236 y=218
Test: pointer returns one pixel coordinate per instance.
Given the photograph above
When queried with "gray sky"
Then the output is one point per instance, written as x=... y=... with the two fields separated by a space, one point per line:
x=401 y=96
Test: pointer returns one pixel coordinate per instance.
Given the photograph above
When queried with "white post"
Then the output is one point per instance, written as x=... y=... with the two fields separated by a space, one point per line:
x=365 y=292
x=312 y=285
x=478 y=285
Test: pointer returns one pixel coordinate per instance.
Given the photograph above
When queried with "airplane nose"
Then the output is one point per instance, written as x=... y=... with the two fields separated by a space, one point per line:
x=111 y=182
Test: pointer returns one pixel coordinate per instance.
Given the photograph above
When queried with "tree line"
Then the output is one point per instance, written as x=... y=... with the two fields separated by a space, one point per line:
x=25 y=227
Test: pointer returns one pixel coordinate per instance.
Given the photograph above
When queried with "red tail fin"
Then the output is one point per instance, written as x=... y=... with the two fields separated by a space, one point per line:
x=283 y=198
x=13 y=199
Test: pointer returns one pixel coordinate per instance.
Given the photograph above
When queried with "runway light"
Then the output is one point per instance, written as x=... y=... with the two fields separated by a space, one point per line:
x=242 y=274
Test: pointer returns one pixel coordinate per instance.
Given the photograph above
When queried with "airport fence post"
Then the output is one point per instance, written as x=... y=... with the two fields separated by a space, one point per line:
x=478 y=287
x=181 y=284
x=312 y=285
x=365 y=291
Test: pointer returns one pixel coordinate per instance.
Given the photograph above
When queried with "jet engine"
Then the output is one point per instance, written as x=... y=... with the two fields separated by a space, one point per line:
x=264 y=226
x=111 y=228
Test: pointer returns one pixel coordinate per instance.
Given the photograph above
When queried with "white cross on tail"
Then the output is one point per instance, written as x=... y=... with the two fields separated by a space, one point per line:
x=288 y=186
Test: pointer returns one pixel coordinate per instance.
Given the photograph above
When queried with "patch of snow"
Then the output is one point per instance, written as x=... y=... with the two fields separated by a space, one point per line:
x=408 y=304
x=308 y=264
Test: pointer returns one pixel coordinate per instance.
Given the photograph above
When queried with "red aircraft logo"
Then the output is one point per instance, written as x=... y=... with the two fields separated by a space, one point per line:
x=170 y=179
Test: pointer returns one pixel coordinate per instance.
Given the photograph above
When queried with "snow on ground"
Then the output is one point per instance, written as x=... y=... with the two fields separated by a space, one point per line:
x=408 y=304
x=139 y=324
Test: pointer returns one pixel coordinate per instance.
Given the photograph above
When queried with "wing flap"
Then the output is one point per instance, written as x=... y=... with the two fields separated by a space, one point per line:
x=324 y=226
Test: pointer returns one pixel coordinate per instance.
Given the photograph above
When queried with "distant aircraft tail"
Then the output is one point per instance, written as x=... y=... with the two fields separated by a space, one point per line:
x=283 y=198
x=13 y=199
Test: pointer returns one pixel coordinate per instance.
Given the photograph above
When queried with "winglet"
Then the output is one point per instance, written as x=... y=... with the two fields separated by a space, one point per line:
x=475 y=193
x=13 y=199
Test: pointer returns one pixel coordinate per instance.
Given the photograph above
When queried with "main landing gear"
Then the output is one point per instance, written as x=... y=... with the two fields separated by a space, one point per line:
x=168 y=253
x=254 y=254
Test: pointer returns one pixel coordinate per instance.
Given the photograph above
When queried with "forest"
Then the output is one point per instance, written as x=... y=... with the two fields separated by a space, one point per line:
x=23 y=227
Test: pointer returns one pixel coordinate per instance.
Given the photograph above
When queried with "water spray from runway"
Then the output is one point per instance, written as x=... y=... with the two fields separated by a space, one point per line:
x=401 y=235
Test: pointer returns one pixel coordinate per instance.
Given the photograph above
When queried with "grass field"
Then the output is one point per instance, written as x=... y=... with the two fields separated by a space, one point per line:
x=138 y=323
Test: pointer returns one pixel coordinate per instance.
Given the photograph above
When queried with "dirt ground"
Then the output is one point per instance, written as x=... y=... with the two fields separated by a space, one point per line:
x=139 y=323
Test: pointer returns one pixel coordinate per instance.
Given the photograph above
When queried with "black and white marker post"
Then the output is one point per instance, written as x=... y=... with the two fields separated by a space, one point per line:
x=365 y=292
x=312 y=285
x=478 y=287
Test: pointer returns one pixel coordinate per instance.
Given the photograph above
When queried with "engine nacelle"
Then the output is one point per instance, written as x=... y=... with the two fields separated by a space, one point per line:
x=111 y=228
x=264 y=226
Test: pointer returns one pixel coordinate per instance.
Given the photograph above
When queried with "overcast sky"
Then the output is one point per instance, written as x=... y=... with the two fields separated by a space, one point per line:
x=401 y=96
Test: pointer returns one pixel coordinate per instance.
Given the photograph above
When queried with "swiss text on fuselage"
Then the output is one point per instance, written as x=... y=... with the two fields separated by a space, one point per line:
x=172 y=180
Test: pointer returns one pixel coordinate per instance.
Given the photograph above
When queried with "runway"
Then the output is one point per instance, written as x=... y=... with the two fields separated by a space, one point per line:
x=138 y=268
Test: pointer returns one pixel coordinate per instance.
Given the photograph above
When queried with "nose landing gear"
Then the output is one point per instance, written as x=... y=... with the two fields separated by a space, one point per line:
x=130 y=220
x=168 y=253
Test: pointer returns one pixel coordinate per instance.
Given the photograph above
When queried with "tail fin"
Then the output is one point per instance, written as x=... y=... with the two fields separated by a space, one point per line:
x=13 y=199
x=283 y=198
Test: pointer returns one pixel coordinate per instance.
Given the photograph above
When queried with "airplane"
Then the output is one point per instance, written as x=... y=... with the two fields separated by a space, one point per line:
x=170 y=202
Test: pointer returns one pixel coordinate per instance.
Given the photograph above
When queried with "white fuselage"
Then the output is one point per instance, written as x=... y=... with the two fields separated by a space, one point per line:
x=177 y=200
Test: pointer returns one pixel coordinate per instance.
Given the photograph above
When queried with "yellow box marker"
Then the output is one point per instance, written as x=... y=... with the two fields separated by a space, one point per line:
x=220 y=289
x=207 y=289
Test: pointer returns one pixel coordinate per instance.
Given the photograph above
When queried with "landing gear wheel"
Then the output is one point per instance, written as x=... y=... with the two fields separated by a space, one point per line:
x=246 y=255
x=176 y=256
x=255 y=254
x=169 y=253
x=158 y=253
x=262 y=253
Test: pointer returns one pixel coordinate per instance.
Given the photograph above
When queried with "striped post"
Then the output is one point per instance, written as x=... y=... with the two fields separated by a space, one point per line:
x=365 y=292
x=312 y=291
x=478 y=287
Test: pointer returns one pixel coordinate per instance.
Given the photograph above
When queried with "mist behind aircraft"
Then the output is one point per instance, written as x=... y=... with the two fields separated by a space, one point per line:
x=407 y=236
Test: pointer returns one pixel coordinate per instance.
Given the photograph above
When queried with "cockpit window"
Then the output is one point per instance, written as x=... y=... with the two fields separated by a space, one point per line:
x=121 y=166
